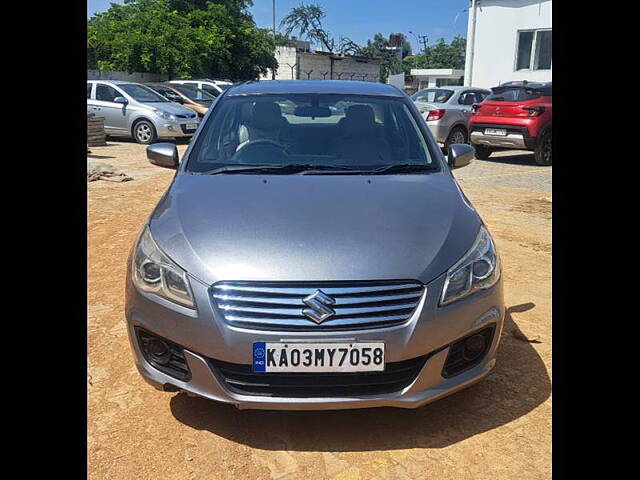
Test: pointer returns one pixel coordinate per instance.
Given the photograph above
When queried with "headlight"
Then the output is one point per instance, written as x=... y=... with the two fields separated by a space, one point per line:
x=154 y=272
x=166 y=116
x=478 y=269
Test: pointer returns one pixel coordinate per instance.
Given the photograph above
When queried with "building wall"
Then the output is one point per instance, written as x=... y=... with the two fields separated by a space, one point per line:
x=497 y=25
x=308 y=65
x=313 y=66
x=285 y=56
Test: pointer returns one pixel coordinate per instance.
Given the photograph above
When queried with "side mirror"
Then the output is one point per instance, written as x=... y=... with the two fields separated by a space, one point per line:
x=163 y=155
x=460 y=155
x=178 y=99
x=121 y=100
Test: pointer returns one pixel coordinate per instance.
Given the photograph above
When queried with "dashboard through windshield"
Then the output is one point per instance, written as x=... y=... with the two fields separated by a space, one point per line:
x=354 y=132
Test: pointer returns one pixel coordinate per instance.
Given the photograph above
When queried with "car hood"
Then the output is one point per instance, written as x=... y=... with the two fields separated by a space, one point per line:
x=170 y=107
x=314 y=227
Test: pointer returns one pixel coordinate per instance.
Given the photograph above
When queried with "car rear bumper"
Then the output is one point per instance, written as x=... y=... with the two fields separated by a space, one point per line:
x=517 y=136
x=438 y=130
x=431 y=332
x=511 y=140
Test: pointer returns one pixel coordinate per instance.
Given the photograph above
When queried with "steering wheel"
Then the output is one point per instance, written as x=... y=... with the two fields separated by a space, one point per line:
x=261 y=148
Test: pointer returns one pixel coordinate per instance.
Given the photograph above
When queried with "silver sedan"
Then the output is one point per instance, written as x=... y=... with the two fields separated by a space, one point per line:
x=447 y=110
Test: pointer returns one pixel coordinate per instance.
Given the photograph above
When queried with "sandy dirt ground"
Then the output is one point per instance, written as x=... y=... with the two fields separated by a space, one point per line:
x=499 y=428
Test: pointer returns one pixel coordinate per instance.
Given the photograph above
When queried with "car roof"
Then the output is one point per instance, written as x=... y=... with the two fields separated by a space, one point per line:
x=115 y=82
x=314 y=86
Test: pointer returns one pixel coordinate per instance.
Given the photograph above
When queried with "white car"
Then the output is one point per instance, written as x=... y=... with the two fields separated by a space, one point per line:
x=214 y=87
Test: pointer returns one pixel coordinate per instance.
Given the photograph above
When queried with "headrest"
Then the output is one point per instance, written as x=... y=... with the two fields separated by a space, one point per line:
x=266 y=115
x=359 y=119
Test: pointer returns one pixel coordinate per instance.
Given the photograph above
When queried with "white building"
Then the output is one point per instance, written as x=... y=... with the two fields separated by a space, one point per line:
x=436 y=77
x=508 y=40
x=300 y=63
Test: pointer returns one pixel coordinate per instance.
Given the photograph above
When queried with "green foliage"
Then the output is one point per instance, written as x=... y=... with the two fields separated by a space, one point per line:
x=284 y=41
x=180 y=38
x=307 y=21
x=440 y=55
x=389 y=62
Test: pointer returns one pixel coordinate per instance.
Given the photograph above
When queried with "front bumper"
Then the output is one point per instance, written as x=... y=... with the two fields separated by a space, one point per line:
x=176 y=129
x=429 y=331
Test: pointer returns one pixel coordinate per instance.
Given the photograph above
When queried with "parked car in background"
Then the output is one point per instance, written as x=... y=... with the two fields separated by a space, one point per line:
x=314 y=259
x=517 y=115
x=213 y=87
x=135 y=110
x=194 y=98
x=447 y=111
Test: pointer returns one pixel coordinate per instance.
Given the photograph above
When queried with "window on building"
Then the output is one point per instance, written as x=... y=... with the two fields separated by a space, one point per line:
x=534 y=50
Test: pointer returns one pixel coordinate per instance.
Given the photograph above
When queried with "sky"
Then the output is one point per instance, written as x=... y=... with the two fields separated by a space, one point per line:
x=361 y=19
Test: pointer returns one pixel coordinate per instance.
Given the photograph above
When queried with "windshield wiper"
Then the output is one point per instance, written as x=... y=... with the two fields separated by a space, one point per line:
x=404 y=167
x=283 y=169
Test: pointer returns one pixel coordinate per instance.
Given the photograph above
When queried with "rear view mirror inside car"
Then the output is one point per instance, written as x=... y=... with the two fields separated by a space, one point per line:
x=313 y=112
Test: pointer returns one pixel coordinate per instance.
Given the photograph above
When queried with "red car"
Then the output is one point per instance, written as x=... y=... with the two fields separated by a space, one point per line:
x=517 y=115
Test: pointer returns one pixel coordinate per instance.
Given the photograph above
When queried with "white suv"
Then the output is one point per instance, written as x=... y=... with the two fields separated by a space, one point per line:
x=214 y=87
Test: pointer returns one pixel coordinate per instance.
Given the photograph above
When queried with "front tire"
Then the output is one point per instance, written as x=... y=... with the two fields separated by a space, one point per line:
x=544 y=149
x=457 y=135
x=144 y=132
x=482 y=152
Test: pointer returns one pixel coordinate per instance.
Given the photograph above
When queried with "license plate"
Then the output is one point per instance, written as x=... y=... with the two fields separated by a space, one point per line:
x=495 y=131
x=318 y=357
x=192 y=126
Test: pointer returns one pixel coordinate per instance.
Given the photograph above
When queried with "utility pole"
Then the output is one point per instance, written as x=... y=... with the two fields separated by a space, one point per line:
x=421 y=39
x=273 y=71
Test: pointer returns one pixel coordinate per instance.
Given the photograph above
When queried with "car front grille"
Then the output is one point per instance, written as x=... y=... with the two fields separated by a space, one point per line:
x=241 y=379
x=281 y=305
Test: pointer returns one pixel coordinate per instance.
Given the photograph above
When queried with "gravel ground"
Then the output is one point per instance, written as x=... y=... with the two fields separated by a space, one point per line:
x=498 y=429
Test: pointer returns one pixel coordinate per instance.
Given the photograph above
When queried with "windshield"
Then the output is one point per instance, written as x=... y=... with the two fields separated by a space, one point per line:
x=141 y=93
x=195 y=94
x=513 y=95
x=223 y=86
x=354 y=132
x=432 y=95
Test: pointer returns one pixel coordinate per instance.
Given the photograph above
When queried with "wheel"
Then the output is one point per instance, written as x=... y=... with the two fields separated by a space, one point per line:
x=457 y=135
x=482 y=152
x=543 y=149
x=144 y=132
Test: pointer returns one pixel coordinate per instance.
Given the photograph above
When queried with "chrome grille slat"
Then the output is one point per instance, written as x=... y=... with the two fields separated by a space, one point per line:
x=271 y=305
x=297 y=301
x=304 y=290
x=341 y=321
x=295 y=312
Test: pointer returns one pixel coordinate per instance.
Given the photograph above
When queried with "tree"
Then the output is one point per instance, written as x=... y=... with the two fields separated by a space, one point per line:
x=380 y=47
x=180 y=38
x=440 y=55
x=307 y=21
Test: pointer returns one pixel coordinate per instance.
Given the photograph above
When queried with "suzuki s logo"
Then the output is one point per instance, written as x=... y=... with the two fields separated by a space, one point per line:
x=498 y=112
x=319 y=309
